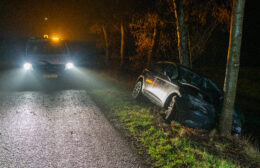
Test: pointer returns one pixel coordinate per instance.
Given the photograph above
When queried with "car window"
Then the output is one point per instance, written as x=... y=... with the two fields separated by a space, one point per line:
x=202 y=82
x=190 y=77
x=171 y=71
x=158 y=68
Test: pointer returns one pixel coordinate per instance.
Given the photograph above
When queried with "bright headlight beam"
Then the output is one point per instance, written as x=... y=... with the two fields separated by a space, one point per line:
x=27 y=66
x=69 y=65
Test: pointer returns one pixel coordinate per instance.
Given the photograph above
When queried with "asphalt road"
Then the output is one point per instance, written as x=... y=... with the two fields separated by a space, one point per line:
x=60 y=128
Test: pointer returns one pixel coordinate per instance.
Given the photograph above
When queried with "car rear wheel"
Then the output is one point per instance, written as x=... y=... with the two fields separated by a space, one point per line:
x=137 y=90
x=169 y=112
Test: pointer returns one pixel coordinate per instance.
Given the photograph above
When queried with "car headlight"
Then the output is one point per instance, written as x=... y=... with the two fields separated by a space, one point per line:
x=69 y=65
x=27 y=66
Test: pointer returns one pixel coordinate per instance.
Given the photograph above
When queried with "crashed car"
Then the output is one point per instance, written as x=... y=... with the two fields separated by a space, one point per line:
x=48 y=58
x=186 y=96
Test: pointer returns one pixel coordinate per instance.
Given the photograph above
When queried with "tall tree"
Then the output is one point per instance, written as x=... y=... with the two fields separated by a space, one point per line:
x=122 y=45
x=102 y=21
x=232 y=68
x=181 y=33
x=144 y=30
x=152 y=49
x=106 y=45
x=203 y=18
x=123 y=12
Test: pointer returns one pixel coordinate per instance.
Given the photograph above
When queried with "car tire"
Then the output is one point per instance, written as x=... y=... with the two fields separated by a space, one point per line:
x=137 y=91
x=170 y=109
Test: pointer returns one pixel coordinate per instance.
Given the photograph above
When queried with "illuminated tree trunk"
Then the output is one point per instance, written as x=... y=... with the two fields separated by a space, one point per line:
x=107 y=45
x=122 y=46
x=232 y=68
x=181 y=33
x=152 y=49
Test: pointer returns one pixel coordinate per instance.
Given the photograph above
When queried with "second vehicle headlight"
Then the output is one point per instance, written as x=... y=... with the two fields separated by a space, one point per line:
x=69 y=65
x=27 y=66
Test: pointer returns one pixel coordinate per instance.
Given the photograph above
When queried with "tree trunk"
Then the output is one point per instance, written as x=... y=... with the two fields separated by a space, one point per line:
x=181 y=33
x=232 y=68
x=122 y=46
x=152 y=45
x=156 y=43
x=107 y=45
x=190 y=51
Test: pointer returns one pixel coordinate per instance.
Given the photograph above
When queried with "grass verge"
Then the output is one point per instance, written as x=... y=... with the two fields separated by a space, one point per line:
x=172 y=145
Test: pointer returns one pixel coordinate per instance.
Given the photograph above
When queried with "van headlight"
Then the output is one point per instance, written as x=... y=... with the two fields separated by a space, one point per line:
x=69 y=65
x=27 y=66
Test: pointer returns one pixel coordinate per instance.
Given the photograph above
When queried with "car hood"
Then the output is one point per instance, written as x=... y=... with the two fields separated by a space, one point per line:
x=189 y=85
x=211 y=96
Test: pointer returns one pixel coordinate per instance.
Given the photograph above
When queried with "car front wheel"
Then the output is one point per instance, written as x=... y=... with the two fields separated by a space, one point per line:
x=137 y=90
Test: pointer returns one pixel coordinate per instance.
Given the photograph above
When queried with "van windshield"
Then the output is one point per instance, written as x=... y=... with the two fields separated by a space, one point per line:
x=46 y=48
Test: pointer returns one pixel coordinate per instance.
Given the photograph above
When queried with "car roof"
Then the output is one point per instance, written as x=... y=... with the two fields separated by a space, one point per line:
x=166 y=62
x=202 y=76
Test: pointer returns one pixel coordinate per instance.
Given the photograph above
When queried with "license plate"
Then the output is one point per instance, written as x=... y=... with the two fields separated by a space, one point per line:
x=50 y=76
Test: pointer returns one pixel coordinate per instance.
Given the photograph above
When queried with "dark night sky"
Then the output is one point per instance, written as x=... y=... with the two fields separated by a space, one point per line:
x=23 y=18
x=70 y=19
x=251 y=34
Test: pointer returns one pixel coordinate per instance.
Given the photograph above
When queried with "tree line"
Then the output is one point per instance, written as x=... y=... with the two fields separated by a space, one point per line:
x=137 y=33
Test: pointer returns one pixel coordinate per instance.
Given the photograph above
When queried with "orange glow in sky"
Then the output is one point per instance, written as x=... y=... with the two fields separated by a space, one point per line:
x=55 y=38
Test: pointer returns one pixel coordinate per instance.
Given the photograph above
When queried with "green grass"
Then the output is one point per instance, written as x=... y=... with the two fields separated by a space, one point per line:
x=170 y=145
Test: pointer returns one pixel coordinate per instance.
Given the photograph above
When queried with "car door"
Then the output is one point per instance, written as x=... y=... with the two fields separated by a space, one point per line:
x=149 y=81
x=164 y=83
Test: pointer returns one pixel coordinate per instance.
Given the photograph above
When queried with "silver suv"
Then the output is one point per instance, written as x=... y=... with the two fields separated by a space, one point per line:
x=187 y=97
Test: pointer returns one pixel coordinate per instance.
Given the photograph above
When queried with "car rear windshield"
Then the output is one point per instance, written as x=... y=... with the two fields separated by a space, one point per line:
x=46 y=48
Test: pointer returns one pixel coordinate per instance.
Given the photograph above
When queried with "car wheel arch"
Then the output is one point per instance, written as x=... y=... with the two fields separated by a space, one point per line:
x=169 y=99
x=141 y=78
